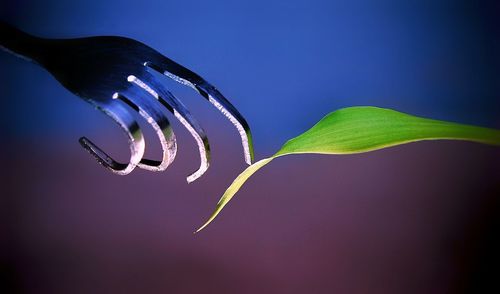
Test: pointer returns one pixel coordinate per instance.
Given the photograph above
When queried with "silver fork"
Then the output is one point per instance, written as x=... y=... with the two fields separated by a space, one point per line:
x=113 y=74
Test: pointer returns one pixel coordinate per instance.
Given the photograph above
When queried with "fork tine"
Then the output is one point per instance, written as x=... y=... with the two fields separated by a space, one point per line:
x=152 y=113
x=136 y=141
x=188 y=78
x=177 y=108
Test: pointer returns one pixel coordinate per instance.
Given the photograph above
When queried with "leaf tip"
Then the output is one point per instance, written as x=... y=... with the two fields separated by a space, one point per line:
x=210 y=219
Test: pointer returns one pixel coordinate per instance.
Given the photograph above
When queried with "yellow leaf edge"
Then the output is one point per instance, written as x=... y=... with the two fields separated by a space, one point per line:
x=234 y=187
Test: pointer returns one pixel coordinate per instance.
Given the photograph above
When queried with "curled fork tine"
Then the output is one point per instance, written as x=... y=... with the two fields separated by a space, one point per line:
x=188 y=78
x=136 y=141
x=157 y=91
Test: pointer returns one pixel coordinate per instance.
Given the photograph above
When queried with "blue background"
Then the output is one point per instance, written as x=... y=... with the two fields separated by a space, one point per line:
x=284 y=64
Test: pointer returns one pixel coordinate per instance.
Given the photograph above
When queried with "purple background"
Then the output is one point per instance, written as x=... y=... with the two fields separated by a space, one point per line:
x=419 y=218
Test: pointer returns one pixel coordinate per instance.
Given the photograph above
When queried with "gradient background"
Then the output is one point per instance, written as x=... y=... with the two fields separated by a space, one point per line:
x=419 y=218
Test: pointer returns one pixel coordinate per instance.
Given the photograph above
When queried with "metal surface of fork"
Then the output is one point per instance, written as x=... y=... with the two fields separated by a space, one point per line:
x=113 y=74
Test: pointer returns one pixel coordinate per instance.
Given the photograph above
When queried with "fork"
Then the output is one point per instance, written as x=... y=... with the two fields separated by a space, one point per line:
x=114 y=75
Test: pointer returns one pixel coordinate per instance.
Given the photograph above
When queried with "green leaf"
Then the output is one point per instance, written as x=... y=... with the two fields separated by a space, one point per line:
x=362 y=129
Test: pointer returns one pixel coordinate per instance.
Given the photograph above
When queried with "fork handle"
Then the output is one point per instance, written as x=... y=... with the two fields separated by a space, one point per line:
x=20 y=43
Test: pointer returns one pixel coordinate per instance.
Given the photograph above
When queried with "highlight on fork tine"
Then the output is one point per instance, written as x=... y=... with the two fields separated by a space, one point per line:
x=166 y=99
x=145 y=97
x=160 y=124
x=235 y=118
x=188 y=78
